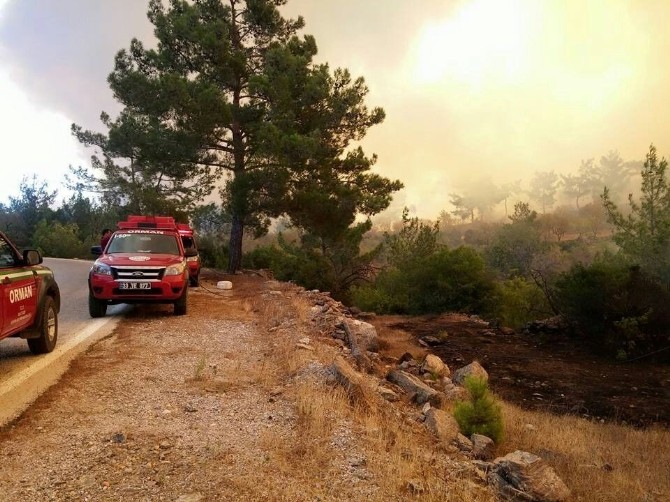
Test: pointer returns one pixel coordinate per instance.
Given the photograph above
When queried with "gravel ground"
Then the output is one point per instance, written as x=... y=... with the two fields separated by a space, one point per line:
x=167 y=408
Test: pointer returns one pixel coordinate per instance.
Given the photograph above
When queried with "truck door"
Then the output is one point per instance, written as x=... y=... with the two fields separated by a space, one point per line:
x=18 y=287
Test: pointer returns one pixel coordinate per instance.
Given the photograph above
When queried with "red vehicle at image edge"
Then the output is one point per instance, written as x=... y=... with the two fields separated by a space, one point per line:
x=29 y=298
x=148 y=259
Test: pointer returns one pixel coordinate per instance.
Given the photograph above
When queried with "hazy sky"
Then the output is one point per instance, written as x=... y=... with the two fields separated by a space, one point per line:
x=472 y=88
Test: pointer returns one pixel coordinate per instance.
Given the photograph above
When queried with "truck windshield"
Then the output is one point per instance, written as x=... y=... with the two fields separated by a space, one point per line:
x=155 y=243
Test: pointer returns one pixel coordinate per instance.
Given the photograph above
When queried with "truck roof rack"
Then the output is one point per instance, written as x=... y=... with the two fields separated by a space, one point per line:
x=155 y=222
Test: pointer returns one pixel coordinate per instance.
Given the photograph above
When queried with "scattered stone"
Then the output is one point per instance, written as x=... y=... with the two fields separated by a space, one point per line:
x=435 y=366
x=483 y=447
x=420 y=392
x=523 y=476
x=442 y=424
x=430 y=341
x=118 y=438
x=305 y=347
x=463 y=443
x=472 y=369
x=189 y=408
x=365 y=334
x=190 y=497
x=388 y=394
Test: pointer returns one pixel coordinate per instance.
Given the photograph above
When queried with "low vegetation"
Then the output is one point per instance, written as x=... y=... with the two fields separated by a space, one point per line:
x=599 y=462
x=480 y=414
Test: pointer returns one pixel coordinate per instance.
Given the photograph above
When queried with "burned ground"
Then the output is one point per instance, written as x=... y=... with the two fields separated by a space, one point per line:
x=554 y=373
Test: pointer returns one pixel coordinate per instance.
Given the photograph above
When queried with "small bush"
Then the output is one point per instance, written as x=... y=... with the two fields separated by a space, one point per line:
x=480 y=415
x=520 y=301
x=616 y=307
x=447 y=280
x=59 y=240
x=213 y=252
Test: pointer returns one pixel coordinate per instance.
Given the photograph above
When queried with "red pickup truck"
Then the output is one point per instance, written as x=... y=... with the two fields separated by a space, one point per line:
x=144 y=262
x=29 y=298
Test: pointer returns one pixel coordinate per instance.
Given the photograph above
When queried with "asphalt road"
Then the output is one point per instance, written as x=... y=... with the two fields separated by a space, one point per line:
x=22 y=375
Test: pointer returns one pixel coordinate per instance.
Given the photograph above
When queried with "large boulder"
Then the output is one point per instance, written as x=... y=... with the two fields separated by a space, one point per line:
x=442 y=424
x=435 y=366
x=365 y=334
x=420 y=392
x=473 y=369
x=523 y=476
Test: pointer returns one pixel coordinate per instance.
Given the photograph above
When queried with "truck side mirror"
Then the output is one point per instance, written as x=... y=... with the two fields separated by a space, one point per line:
x=32 y=257
x=96 y=250
x=189 y=252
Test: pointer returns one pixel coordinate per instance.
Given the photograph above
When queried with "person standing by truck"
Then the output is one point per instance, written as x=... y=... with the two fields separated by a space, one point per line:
x=104 y=239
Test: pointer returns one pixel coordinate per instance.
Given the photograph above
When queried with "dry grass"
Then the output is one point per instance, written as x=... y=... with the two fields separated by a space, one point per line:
x=343 y=447
x=599 y=462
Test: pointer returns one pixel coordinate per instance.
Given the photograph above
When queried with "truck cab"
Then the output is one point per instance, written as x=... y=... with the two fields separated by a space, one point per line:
x=29 y=298
x=143 y=262
x=188 y=240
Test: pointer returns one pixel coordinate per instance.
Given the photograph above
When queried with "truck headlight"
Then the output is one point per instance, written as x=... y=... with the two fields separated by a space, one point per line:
x=177 y=269
x=101 y=269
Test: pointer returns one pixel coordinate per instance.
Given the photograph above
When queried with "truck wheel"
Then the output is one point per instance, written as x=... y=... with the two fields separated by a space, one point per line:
x=180 y=304
x=48 y=329
x=96 y=308
x=195 y=280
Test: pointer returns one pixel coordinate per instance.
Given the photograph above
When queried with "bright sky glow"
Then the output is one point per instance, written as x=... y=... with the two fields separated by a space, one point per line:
x=35 y=140
x=472 y=89
x=484 y=39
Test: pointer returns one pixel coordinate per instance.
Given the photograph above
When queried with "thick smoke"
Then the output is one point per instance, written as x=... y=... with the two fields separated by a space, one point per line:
x=61 y=52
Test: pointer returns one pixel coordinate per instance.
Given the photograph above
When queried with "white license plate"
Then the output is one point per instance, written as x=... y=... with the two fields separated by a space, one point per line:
x=134 y=285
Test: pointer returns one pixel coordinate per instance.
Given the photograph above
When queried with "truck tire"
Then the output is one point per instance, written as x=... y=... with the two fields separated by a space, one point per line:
x=180 y=304
x=96 y=308
x=194 y=280
x=48 y=329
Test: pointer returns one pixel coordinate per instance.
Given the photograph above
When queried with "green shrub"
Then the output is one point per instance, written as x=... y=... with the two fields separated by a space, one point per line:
x=213 y=252
x=59 y=240
x=616 y=307
x=371 y=299
x=263 y=257
x=519 y=302
x=446 y=280
x=481 y=414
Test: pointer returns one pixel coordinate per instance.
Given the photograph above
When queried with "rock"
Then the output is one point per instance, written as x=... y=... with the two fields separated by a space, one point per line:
x=435 y=366
x=190 y=497
x=118 y=438
x=420 y=392
x=442 y=424
x=349 y=378
x=365 y=333
x=406 y=357
x=224 y=285
x=452 y=391
x=430 y=341
x=472 y=369
x=305 y=347
x=463 y=443
x=483 y=447
x=388 y=394
x=523 y=476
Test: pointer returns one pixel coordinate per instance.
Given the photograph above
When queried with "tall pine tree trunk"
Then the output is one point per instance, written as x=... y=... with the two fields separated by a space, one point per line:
x=235 y=245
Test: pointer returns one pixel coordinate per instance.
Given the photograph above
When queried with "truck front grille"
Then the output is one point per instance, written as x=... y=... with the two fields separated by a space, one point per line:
x=137 y=273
